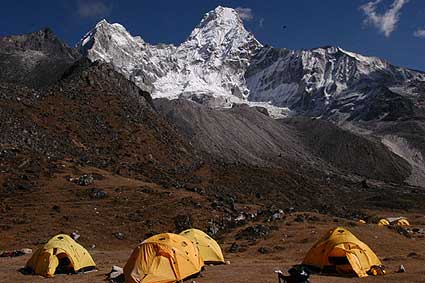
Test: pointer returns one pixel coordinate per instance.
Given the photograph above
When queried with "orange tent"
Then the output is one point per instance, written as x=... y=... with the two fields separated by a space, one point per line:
x=163 y=258
x=339 y=251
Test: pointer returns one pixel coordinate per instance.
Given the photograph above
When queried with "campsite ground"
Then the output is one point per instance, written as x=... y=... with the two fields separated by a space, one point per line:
x=28 y=218
x=287 y=245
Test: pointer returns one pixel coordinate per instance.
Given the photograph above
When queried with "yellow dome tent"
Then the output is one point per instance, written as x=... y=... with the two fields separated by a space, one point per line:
x=208 y=248
x=403 y=222
x=163 y=258
x=60 y=252
x=399 y=221
x=341 y=252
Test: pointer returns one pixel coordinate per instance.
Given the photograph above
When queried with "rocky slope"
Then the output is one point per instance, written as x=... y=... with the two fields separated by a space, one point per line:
x=36 y=59
x=240 y=134
x=95 y=120
x=247 y=135
x=93 y=117
x=352 y=153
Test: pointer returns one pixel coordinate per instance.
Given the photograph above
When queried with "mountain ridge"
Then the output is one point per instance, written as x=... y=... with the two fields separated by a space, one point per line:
x=219 y=65
x=329 y=83
x=211 y=61
x=313 y=81
x=35 y=59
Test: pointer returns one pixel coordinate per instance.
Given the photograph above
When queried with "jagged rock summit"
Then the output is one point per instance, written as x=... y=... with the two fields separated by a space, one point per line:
x=36 y=59
x=208 y=66
x=331 y=82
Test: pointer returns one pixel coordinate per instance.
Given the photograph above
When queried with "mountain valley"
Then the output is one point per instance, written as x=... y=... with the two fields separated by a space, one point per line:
x=221 y=132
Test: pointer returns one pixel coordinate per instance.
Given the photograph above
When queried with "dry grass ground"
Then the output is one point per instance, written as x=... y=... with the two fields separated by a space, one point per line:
x=56 y=205
x=288 y=245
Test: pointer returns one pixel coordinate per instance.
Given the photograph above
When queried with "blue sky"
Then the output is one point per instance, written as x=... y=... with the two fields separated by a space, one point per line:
x=391 y=29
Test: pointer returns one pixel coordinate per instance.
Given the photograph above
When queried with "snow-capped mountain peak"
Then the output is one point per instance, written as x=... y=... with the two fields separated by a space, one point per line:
x=323 y=81
x=130 y=55
x=210 y=65
x=221 y=63
x=220 y=27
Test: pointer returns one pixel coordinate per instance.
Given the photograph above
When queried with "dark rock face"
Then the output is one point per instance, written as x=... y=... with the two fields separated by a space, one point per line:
x=381 y=104
x=95 y=193
x=254 y=232
x=264 y=250
x=84 y=180
x=11 y=187
x=182 y=222
x=235 y=248
x=44 y=41
x=37 y=59
x=119 y=235
x=350 y=152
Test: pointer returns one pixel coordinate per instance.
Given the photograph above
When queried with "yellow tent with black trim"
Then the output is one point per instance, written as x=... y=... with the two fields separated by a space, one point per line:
x=339 y=251
x=163 y=258
x=60 y=252
x=209 y=249
x=399 y=221
x=403 y=222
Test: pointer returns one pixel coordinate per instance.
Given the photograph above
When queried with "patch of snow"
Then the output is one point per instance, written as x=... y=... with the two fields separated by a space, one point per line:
x=274 y=111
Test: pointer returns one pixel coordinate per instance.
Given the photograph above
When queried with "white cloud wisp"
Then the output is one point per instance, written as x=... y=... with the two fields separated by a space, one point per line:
x=386 y=22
